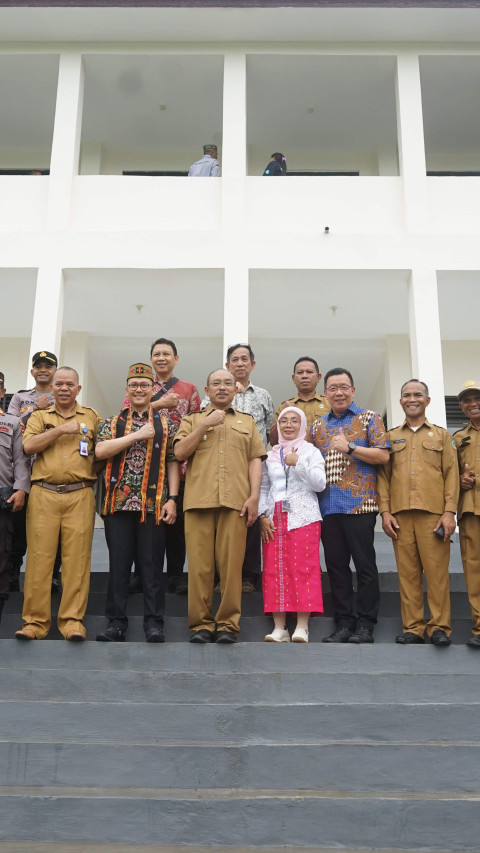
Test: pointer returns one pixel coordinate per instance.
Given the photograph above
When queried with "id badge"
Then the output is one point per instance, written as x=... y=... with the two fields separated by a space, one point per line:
x=285 y=506
x=83 y=447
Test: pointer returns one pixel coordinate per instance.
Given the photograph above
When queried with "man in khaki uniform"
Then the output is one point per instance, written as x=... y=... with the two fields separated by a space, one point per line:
x=468 y=447
x=306 y=377
x=222 y=485
x=417 y=497
x=61 y=502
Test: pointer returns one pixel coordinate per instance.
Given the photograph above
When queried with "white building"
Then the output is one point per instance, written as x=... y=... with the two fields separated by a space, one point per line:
x=95 y=264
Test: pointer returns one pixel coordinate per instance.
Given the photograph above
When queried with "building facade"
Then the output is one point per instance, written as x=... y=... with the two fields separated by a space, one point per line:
x=366 y=254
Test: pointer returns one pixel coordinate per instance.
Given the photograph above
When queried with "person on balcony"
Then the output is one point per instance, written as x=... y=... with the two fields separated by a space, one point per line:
x=277 y=165
x=208 y=165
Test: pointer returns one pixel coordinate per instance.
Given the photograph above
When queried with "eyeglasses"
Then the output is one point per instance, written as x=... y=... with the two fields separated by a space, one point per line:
x=143 y=386
x=332 y=389
x=226 y=383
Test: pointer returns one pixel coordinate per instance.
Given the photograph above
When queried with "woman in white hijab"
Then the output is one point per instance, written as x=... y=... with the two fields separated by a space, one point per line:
x=293 y=473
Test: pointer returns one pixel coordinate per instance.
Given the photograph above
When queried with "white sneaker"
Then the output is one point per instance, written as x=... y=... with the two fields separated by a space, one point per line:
x=278 y=635
x=300 y=635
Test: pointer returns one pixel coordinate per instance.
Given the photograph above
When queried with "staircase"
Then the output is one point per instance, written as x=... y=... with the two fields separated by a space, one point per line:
x=253 y=746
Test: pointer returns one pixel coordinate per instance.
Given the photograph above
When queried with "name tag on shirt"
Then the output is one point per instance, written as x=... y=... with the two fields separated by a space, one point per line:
x=83 y=448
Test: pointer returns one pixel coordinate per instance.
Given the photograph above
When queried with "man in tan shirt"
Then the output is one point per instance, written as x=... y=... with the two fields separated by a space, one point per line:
x=222 y=485
x=306 y=377
x=417 y=497
x=468 y=447
x=62 y=439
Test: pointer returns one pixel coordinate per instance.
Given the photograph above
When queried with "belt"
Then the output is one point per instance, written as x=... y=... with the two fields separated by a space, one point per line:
x=64 y=487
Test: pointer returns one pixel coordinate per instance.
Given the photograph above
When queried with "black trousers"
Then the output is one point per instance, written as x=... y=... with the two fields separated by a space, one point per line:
x=126 y=536
x=175 y=539
x=252 y=562
x=6 y=540
x=346 y=537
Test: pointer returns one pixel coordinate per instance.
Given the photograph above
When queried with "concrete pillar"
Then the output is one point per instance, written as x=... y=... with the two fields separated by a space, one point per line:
x=75 y=354
x=235 y=308
x=425 y=339
x=66 y=139
x=234 y=144
x=47 y=313
x=411 y=143
x=398 y=368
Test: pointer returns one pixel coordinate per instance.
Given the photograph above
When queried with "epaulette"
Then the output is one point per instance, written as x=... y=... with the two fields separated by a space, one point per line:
x=461 y=429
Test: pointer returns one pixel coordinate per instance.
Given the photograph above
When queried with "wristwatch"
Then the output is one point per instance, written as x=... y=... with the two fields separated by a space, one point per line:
x=173 y=498
x=351 y=447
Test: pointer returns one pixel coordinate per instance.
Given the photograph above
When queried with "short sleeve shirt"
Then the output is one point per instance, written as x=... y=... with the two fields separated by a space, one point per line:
x=14 y=465
x=61 y=462
x=217 y=472
x=351 y=483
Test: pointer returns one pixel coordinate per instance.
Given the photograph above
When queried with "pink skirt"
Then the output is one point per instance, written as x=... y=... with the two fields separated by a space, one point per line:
x=291 y=568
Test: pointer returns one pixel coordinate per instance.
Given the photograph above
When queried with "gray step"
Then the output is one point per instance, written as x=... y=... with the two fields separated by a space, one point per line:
x=242 y=658
x=412 y=822
x=221 y=724
x=413 y=768
x=91 y=685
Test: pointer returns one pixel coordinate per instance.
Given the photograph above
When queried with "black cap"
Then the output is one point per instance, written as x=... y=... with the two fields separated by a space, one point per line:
x=44 y=356
x=2 y=380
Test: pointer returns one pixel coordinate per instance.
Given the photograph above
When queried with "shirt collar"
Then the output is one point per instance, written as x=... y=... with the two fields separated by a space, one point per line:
x=352 y=408
x=316 y=396
x=211 y=408
x=426 y=423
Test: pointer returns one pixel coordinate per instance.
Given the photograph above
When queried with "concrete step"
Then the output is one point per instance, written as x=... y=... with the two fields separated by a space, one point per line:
x=216 y=724
x=299 y=819
x=453 y=768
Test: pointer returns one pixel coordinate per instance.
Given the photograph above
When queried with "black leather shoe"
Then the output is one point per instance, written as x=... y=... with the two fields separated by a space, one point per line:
x=111 y=635
x=439 y=638
x=474 y=642
x=225 y=637
x=201 y=636
x=408 y=638
x=340 y=635
x=154 y=635
x=361 y=635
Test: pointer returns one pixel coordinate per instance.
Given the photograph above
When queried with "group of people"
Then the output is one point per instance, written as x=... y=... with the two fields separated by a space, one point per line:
x=183 y=473
x=209 y=167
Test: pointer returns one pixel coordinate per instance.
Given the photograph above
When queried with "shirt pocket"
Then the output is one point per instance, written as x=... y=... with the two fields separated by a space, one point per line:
x=432 y=452
x=397 y=457
x=240 y=437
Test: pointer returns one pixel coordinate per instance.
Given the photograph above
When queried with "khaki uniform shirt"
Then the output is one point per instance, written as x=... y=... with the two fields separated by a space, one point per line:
x=468 y=447
x=61 y=462
x=312 y=409
x=422 y=472
x=14 y=465
x=217 y=472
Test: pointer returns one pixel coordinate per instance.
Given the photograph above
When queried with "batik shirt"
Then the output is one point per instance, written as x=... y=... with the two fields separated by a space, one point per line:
x=351 y=484
x=128 y=494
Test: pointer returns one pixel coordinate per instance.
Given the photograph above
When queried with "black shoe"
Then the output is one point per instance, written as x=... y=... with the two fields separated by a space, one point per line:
x=361 y=635
x=340 y=635
x=474 y=642
x=135 y=584
x=439 y=638
x=154 y=635
x=225 y=637
x=201 y=636
x=112 y=634
x=408 y=638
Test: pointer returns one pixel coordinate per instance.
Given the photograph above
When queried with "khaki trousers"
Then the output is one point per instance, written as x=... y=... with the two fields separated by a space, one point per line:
x=50 y=514
x=215 y=537
x=419 y=551
x=469 y=526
